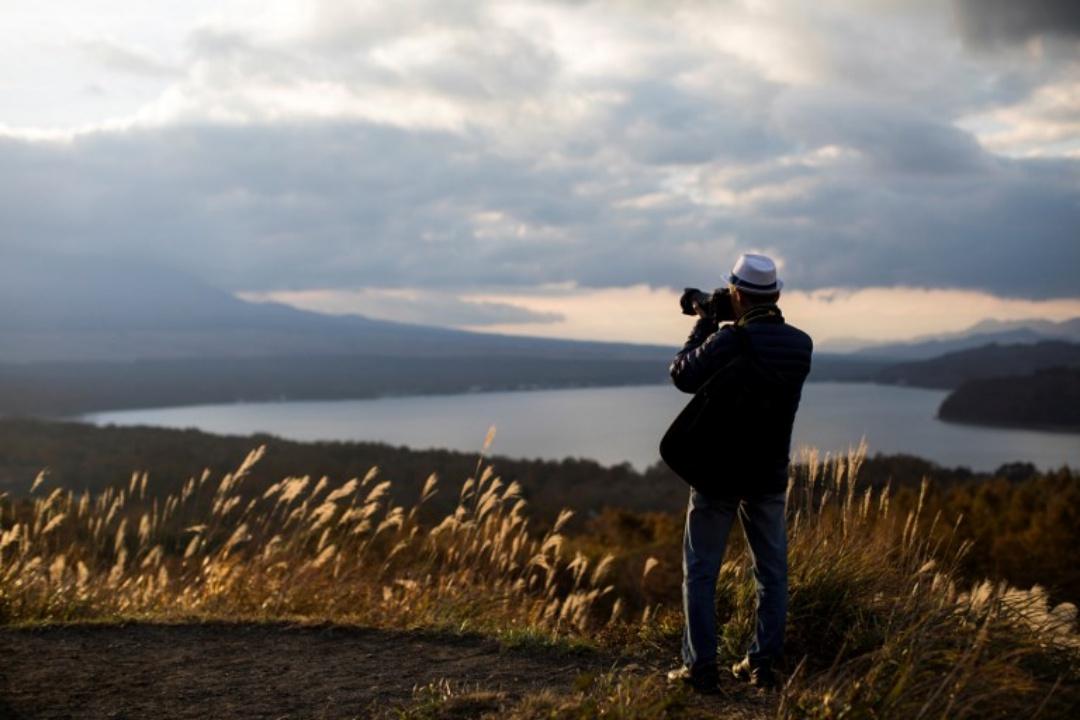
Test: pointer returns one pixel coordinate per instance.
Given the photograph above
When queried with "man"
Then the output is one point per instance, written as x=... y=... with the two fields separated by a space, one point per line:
x=755 y=290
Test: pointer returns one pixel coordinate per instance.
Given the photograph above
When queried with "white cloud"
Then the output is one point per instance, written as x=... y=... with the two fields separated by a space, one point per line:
x=1046 y=123
x=833 y=316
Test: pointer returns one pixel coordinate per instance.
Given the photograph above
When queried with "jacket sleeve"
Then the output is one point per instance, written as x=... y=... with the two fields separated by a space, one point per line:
x=708 y=349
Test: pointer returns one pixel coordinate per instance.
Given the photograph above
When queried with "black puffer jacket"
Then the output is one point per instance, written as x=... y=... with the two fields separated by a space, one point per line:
x=782 y=347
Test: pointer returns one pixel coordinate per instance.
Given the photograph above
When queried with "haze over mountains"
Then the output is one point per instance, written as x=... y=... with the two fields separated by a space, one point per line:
x=91 y=334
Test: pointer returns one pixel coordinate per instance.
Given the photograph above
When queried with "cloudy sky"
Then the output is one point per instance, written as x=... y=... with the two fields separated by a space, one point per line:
x=558 y=168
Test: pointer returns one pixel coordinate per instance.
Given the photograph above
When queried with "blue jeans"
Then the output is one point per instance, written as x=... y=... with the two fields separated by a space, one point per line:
x=708 y=522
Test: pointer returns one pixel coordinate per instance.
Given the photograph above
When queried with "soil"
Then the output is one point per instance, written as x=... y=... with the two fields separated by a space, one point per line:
x=278 y=670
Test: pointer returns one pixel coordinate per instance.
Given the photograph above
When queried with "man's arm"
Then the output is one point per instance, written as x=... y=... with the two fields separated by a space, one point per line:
x=708 y=349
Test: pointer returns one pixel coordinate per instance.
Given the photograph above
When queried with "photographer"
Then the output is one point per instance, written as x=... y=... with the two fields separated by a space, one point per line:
x=751 y=473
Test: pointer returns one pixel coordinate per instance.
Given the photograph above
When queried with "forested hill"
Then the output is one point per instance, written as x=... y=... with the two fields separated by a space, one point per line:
x=1034 y=386
x=1048 y=399
x=952 y=369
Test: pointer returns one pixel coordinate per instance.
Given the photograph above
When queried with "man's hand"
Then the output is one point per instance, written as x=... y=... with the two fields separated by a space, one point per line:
x=690 y=302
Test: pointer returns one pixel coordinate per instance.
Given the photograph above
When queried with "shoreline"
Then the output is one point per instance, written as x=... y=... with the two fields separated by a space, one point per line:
x=458 y=421
x=1049 y=429
x=82 y=415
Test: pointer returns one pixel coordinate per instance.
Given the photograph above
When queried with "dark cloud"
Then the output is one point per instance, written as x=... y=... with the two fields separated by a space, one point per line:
x=271 y=208
x=663 y=124
x=258 y=208
x=895 y=138
x=1009 y=232
x=986 y=23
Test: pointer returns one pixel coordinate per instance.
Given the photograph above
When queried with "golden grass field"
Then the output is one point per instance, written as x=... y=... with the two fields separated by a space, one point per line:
x=879 y=626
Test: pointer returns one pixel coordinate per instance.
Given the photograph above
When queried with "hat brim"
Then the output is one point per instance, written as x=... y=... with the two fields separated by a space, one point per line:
x=754 y=289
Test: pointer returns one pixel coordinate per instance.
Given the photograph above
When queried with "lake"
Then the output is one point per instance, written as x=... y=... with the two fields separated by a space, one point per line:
x=621 y=424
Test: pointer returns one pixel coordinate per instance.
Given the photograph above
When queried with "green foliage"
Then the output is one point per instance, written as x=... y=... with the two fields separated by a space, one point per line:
x=617 y=695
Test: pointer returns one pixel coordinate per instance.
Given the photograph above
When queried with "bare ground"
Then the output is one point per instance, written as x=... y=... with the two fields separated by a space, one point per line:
x=276 y=670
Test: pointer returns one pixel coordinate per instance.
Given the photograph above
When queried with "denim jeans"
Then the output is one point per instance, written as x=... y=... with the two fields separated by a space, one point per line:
x=708 y=522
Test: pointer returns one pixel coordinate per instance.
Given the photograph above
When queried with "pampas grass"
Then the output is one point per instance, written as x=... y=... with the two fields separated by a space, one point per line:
x=302 y=548
x=878 y=625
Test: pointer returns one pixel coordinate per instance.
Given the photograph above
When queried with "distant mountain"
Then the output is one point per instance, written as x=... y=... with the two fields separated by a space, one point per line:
x=952 y=369
x=75 y=310
x=987 y=332
x=84 y=334
x=1066 y=330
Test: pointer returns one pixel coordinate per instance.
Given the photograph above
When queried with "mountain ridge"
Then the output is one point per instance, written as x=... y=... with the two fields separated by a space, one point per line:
x=101 y=310
x=950 y=370
x=985 y=332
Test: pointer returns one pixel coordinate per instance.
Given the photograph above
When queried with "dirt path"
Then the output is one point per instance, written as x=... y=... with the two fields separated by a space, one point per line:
x=281 y=671
x=249 y=671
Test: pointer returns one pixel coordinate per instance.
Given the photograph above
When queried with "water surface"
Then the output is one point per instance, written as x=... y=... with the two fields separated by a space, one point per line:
x=615 y=425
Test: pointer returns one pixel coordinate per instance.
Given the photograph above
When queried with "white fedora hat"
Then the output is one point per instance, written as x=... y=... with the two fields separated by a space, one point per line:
x=755 y=274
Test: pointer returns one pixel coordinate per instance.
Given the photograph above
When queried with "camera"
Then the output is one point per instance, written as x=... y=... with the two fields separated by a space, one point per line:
x=716 y=305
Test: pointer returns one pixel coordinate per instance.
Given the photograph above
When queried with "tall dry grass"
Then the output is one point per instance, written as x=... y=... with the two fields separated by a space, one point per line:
x=302 y=548
x=878 y=626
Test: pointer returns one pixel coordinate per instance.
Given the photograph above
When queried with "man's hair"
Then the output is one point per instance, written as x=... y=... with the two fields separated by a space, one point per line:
x=755 y=299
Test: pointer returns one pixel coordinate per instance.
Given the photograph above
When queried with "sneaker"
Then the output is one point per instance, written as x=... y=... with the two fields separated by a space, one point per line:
x=701 y=682
x=760 y=675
